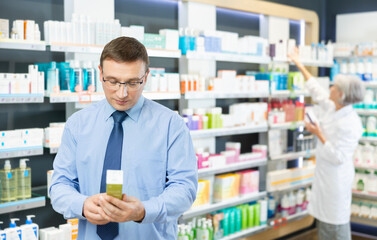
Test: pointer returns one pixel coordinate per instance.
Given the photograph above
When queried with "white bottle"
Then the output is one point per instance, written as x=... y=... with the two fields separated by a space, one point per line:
x=292 y=203
x=13 y=232
x=3 y=236
x=30 y=230
x=284 y=206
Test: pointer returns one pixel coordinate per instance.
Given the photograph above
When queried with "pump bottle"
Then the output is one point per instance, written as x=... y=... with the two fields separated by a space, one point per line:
x=13 y=232
x=29 y=230
x=3 y=236
x=23 y=174
x=8 y=183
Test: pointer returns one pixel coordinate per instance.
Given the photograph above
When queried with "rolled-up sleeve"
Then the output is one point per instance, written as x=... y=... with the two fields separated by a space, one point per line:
x=65 y=193
x=182 y=177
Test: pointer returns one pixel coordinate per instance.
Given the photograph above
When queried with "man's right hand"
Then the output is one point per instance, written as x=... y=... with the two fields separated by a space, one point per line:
x=91 y=210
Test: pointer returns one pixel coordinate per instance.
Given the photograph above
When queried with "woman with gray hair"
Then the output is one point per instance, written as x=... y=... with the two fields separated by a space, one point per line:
x=338 y=130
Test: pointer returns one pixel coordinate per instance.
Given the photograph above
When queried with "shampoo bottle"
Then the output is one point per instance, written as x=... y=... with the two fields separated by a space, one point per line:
x=3 y=236
x=29 y=230
x=23 y=174
x=13 y=232
x=8 y=183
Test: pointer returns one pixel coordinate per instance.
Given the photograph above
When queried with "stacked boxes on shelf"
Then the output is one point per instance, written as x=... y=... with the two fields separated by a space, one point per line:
x=24 y=138
x=21 y=30
x=160 y=81
x=53 y=135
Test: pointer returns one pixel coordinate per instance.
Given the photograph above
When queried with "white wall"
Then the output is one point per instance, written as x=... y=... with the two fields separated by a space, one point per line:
x=356 y=27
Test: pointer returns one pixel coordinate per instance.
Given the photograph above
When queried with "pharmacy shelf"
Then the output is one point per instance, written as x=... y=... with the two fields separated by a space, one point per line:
x=366 y=111
x=21 y=98
x=22 y=205
x=293 y=187
x=22 y=45
x=218 y=132
x=74 y=48
x=368 y=139
x=305 y=63
x=220 y=95
x=296 y=216
x=370 y=168
x=162 y=95
x=21 y=152
x=293 y=155
x=227 y=57
x=364 y=221
x=245 y=233
x=365 y=195
x=370 y=84
x=53 y=150
x=288 y=125
x=289 y=93
x=222 y=205
x=232 y=167
x=164 y=53
x=97 y=49
x=75 y=97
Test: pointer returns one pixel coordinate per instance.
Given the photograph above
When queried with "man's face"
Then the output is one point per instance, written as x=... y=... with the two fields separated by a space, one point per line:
x=121 y=97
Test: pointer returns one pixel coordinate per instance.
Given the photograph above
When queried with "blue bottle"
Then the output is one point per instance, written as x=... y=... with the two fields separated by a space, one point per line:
x=53 y=79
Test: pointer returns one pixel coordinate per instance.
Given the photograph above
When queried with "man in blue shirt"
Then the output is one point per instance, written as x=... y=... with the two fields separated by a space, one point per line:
x=149 y=142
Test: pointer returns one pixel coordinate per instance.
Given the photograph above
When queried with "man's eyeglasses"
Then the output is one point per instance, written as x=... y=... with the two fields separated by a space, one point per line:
x=132 y=85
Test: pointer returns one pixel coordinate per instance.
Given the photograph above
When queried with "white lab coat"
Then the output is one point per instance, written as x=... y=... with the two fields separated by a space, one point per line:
x=331 y=197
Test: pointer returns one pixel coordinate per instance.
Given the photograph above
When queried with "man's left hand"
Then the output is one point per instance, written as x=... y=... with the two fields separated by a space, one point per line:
x=127 y=209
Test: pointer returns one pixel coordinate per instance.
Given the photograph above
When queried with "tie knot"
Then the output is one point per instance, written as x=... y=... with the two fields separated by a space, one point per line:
x=119 y=116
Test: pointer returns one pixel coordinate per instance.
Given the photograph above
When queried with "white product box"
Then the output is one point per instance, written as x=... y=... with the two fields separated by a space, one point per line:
x=49 y=179
x=173 y=82
x=163 y=83
x=41 y=82
x=4 y=84
x=217 y=161
x=154 y=82
x=32 y=133
x=32 y=142
x=10 y=134
x=33 y=72
x=171 y=38
x=43 y=232
x=8 y=143
x=29 y=31
x=4 y=28
x=19 y=25
x=137 y=32
x=262 y=86
x=67 y=231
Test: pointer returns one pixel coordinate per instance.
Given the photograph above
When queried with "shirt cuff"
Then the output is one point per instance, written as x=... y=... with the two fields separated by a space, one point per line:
x=151 y=210
x=78 y=206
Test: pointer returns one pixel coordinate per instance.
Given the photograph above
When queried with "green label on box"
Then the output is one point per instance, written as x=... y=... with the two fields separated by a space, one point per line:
x=114 y=190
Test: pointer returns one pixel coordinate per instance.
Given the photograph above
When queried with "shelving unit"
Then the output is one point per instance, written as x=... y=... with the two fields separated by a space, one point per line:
x=286 y=126
x=218 y=132
x=31 y=203
x=21 y=98
x=292 y=187
x=227 y=57
x=221 y=205
x=293 y=155
x=366 y=111
x=21 y=152
x=365 y=195
x=232 y=167
x=373 y=168
x=162 y=95
x=368 y=139
x=365 y=221
x=370 y=84
x=219 y=95
x=288 y=93
x=245 y=233
x=305 y=62
x=22 y=45
x=296 y=216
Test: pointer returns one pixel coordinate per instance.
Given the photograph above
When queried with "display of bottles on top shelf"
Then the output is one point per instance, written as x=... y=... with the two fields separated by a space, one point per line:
x=288 y=204
x=15 y=183
x=225 y=222
x=21 y=30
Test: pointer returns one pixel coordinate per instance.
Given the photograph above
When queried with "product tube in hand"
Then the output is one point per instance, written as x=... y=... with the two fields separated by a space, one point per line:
x=114 y=183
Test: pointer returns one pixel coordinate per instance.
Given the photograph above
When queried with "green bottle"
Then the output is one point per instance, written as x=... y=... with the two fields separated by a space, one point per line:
x=257 y=214
x=251 y=215
x=23 y=176
x=8 y=183
x=244 y=217
x=210 y=229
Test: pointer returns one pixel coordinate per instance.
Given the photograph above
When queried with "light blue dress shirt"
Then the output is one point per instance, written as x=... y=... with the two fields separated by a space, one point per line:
x=158 y=161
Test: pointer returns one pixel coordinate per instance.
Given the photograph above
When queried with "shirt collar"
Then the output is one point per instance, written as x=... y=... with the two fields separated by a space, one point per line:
x=344 y=111
x=133 y=112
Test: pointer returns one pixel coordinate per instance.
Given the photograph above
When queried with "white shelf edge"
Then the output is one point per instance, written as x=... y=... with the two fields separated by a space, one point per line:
x=370 y=84
x=368 y=139
x=373 y=168
x=31 y=203
x=75 y=97
x=290 y=188
x=219 y=95
x=245 y=233
x=163 y=53
x=364 y=195
x=162 y=95
x=272 y=222
x=232 y=167
x=304 y=62
x=21 y=98
x=22 y=45
x=21 y=152
x=366 y=111
x=289 y=125
x=365 y=221
x=288 y=93
x=294 y=155
x=221 y=205
x=227 y=57
x=217 y=132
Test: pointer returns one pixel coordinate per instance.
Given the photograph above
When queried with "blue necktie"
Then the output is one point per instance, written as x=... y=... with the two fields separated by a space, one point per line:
x=112 y=161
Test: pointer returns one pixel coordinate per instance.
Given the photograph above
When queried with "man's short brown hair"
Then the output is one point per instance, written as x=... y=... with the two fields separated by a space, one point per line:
x=125 y=49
